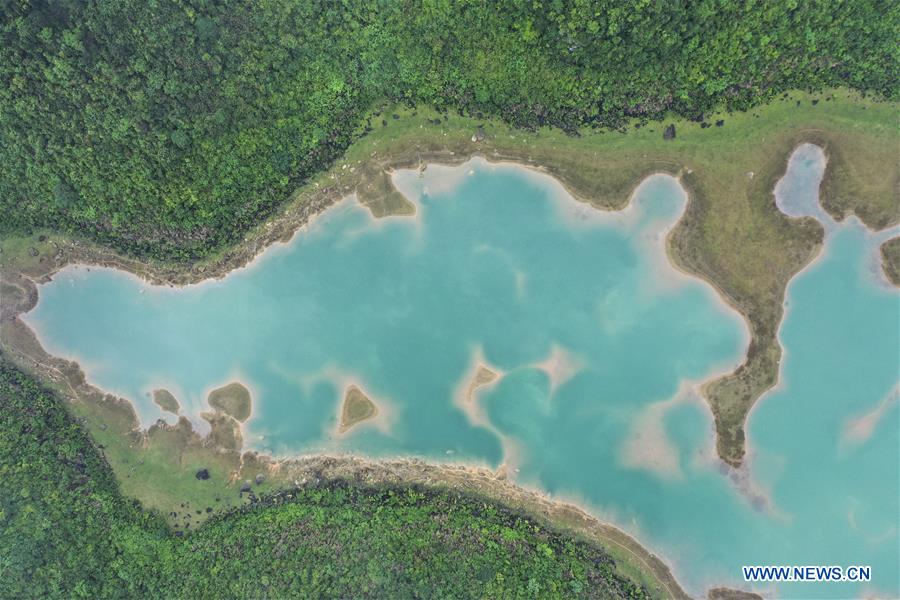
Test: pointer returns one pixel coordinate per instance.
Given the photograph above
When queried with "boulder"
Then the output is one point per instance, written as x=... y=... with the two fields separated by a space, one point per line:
x=669 y=133
x=203 y=474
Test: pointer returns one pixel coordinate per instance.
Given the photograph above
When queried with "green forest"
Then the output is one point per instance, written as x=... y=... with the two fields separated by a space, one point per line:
x=168 y=129
x=66 y=532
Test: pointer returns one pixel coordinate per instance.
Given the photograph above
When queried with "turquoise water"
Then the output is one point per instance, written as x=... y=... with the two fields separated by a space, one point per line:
x=601 y=345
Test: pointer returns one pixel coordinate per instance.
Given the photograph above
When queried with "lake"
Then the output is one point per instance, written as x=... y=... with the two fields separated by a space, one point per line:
x=598 y=346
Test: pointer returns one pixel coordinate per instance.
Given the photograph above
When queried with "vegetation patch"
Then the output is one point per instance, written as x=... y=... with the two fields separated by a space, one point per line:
x=356 y=408
x=890 y=260
x=723 y=593
x=233 y=400
x=376 y=191
x=166 y=401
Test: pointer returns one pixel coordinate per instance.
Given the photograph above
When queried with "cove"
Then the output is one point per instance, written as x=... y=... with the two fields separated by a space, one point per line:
x=598 y=346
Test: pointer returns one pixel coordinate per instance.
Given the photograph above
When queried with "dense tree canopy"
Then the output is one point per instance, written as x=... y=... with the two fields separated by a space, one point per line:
x=171 y=127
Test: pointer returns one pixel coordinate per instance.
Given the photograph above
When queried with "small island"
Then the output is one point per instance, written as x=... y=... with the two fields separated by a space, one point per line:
x=357 y=407
x=166 y=401
x=233 y=400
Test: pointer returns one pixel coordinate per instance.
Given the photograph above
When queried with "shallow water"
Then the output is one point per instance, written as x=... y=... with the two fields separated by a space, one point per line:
x=600 y=343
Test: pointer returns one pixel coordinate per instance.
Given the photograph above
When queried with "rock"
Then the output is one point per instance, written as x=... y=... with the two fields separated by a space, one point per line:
x=479 y=134
x=42 y=238
x=33 y=251
x=720 y=122
x=203 y=474
x=260 y=478
x=209 y=509
x=669 y=133
x=245 y=487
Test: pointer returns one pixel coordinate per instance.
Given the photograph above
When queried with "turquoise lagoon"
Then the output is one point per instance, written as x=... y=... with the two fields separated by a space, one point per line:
x=601 y=345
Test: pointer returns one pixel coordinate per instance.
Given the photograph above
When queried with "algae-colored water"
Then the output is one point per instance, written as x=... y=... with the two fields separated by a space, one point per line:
x=599 y=345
